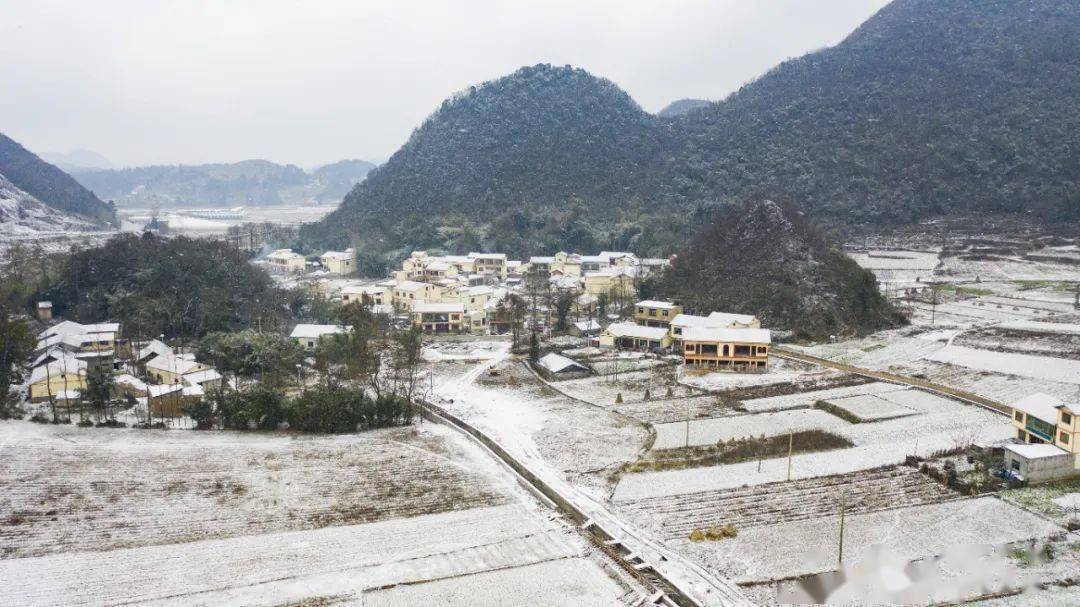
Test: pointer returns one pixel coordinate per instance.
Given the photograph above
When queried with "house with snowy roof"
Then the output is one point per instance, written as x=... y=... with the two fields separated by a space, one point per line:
x=1046 y=431
x=726 y=349
x=308 y=336
x=339 y=262
x=653 y=313
x=632 y=336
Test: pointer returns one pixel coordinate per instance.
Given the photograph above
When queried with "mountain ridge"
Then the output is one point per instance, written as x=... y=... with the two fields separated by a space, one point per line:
x=928 y=109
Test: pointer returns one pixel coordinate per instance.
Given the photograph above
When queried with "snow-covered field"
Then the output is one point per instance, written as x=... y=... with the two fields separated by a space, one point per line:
x=940 y=424
x=873 y=407
x=710 y=431
x=1006 y=363
x=780 y=371
x=452 y=550
x=807 y=399
x=1043 y=327
x=810 y=546
x=66 y=489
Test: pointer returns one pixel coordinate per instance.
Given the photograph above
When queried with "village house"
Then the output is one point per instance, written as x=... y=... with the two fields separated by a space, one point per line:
x=62 y=377
x=726 y=349
x=366 y=295
x=407 y=292
x=284 y=261
x=585 y=328
x=44 y=311
x=651 y=313
x=308 y=336
x=715 y=320
x=438 y=317
x=631 y=336
x=1048 y=429
x=614 y=282
x=556 y=366
x=96 y=344
x=339 y=262
x=492 y=263
x=171 y=368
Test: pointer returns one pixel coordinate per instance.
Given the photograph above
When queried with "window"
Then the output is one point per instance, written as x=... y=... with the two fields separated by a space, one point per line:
x=1018 y=416
x=1064 y=438
x=1020 y=434
x=1016 y=465
x=1066 y=419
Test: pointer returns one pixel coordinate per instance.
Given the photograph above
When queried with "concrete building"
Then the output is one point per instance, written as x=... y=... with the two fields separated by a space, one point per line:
x=308 y=336
x=339 y=262
x=366 y=295
x=1042 y=419
x=652 y=313
x=284 y=261
x=726 y=349
x=631 y=336
x=438 y=317
x=1038 y=462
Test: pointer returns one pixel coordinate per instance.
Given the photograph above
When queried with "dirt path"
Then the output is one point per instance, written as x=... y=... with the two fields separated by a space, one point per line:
x=505 y=426
x=929 y=386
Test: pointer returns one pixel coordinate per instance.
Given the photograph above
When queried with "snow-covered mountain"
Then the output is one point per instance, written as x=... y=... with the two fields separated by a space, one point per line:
x=22 y=214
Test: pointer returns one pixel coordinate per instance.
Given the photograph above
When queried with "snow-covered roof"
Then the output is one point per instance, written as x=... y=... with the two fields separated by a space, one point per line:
x=689 y=320
x=65 y=364
x=363 y=289
x=1041 y=406
x=382 y=309
x=130 y=380
x=629 y=329
x=541 y=260
x=593 y=259
x=652 y=303
x=488 y=256
x=426 y=307
x=70 y=327
x=564 y=282
x=200 y=377
x=284 y=254
x=152 y=348
x=411 y=285
x=1036 y=450
x=481 y=290
x=587 y=325
x=338 y=255
x=440 y=266
x=172 y=364
x=314 y=331
x=156 y=390
x=725 y=335
x=557 y=363
x=726 y=319
x=44 y=304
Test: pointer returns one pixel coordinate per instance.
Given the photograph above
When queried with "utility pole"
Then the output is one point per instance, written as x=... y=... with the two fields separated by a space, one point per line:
x=843 y=495
x=790 y=446
x=933 y=307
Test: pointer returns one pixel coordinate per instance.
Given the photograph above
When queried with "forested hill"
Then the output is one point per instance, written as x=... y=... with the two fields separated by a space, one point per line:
x=250 y=182
x=682 y=107
x=765 y=259
x=49 y=184
x=931 y=107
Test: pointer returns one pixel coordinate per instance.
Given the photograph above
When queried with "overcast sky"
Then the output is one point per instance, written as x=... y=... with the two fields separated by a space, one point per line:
x=190 y=81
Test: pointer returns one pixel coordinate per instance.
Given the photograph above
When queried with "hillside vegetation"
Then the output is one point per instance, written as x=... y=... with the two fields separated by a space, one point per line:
x=929 y=108
x=251 y=182
x=179 y=287
x=49 y=184
x=770 y=261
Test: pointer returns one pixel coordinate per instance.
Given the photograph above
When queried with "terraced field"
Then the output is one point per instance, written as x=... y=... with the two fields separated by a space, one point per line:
x=768 y=504
x=66 y=489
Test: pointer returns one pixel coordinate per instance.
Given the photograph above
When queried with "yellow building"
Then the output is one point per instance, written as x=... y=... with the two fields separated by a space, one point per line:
x=616 y=282
x=284 y=261
x=493 y=263
x=171 y=368
x=1041 y=418
x=366 y=295
x=62 y=378
x=339 y=262
x=409 y=291
x=438 y=317
x=308 y=336
x=726 y=349
x=652 y=313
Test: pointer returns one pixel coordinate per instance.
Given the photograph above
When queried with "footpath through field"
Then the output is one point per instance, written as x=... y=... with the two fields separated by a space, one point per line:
x=930 y=386
x=502 y=424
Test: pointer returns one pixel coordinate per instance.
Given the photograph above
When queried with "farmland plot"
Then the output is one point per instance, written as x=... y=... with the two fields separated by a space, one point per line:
x=1036 y=367
x=341 y=562
x=940 y=424
x=809 y=546
x=70 y=489
x=807 y=399
x=870 y=407
x=710 y=431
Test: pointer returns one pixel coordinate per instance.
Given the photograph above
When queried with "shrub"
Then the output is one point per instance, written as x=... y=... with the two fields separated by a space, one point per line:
x=697 y=535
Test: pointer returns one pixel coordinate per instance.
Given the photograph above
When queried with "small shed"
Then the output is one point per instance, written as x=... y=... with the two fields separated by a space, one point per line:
x=585 y=328
x=1038 y=462
x=557 y=366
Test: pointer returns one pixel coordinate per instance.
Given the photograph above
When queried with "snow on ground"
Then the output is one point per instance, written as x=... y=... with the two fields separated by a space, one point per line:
x=64 y=488
x=810 y=546
x=279 y=568
x=1012 y=269
x=872 y=407
x=710 y=431
x=807 y=399
x=942 y=424
x=780 y=370
x=1042 y=327
x=604 y=390
x=566 y=581
x=995 y=386
x=435 y=351
x=1035 y=367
